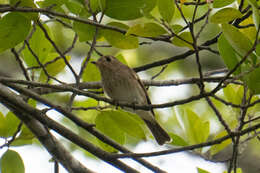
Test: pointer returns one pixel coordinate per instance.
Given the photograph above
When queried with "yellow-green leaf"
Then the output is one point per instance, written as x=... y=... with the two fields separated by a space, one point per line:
x=221 y=3
x=54 y=68
x=177 y=140
x=128 y=9
x=85 y=32
x=166 y=9
x=120 y=40
x=91 y=73
x=202 y=170
x=11 y=162
x=227 y=54
x=146 y=30
x=218 y=147
x=185 y=36
x=14 y=29
x=41 y=50
x=225 y=15
x=240 y=43
x=106 y=125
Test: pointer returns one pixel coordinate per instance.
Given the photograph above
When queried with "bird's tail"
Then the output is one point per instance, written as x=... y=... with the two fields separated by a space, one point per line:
x=158 y=132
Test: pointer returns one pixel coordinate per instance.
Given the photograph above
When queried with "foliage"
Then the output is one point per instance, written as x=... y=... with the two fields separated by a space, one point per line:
x=54 y=41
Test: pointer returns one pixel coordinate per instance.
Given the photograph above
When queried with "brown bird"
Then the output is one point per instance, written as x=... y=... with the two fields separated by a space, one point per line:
x=122 y=84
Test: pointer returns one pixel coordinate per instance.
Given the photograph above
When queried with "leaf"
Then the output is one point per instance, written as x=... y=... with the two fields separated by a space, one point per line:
x=186 y=36
x=253 y=81
x=74 y=6
x=106 y=125
x=97 y=5
x=177 y=140
x=202 y=170
x=127 y=123
x=54 y=68
x=121 y=58
x=225 y=15
x=196 y=130
x=228 y=54
x=41 y=50
x=11 y=162
x=256 y=13
x=3 y=129
x=120 y=40
x=25 y=3
x=12 y=123
x=218 y=147
x=221 y=3
x=166 y=9
x=239 y=170
x=26 y=133
x=240 y=43
x=91 y=73
x=176 y=28
x=257 y=49
x=229 y=91
x=85 y=32
x=128 y=9
x=146 y=30
x=14 y=29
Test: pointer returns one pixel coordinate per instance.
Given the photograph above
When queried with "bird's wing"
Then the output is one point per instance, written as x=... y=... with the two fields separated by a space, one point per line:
x=144 y=89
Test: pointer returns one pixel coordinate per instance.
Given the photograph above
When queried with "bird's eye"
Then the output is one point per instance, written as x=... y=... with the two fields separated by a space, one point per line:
x=108 y=59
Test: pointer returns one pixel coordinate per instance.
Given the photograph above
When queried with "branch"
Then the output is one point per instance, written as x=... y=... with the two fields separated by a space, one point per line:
x=19 y=108
x=191 y=147
x=35 y=119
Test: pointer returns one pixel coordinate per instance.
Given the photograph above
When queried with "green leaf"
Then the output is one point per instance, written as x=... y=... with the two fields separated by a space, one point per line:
x=196 y=130
x=54 y=68
x=177 y=140
x=120 y=40
x=185 y=36
x=239 y=170
x=228 y=54
x=218 y=147
x=240 y=43
x=12 y=123
x=256 y=13
x=166 y=9
x=253 y=81
x=257 y=50
x=41 y=50
x=26 y=133
x=229 y=91
x=11 y=162
x=202 y=170
x=176 y=28
x=14 y=29
x=3 y=129
x=146 y=30
x=128 y=9
x=97 y=5
x=225 y=15
x=106 y=125
x=91 y=73
x=121 y=58
x=25 y=3
x=85 y=32
x=55 y=4
x=127 y=123
x=221 y=3
x=21 y=142
x=74 y=6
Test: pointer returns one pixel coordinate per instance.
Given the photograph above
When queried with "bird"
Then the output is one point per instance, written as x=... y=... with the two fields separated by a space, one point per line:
x=121 y=84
